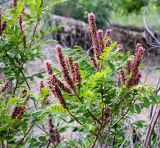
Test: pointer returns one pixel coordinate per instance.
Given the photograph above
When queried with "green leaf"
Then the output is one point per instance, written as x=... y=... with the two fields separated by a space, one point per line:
x=111 y=65
x=157 y=69
x=107 y=51
x=137 y=108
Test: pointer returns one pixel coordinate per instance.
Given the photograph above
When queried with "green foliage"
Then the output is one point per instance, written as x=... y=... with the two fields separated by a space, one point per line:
x=129 y=6
x=79 y=9
x=98 y=110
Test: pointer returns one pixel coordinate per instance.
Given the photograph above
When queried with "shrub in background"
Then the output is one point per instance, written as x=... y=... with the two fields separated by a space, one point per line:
x=79 y=9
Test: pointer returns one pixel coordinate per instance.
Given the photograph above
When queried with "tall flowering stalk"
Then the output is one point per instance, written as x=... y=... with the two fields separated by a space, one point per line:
x=48 y=67
x=100 y=36
x=93 y=30
x=100 y=40
x=76 y=75
x=53 y=85
x=55 y=136
x=22 y=26
x=71 y=76
x=60 y=84
x=64 y=67
x=132 y=68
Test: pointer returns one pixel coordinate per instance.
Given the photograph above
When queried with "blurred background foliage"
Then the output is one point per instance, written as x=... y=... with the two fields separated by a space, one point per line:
x=123 y=12
x=79 y=9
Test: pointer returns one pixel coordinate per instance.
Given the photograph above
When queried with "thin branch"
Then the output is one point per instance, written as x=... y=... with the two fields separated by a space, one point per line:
x=25 y=80
x=48 y=143
x=14 y=90
x=27 y=133
x=34 y=32
x=123 y=142
x=98 y=134
x=74 y=116
x=42 y=129
x=28 y=86
x=93 y=117
x=109 y=128
x=90 y=113
x=151 y=126
x=153 y=120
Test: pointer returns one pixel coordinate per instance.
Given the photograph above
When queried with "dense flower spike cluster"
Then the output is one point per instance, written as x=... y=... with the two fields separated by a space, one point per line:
x=129 y=66
x=99 y=41
x=2 y=25
x=64 y=67
x=18 y=112
x=57 y=92
x=41 y=86
x=55 y=136
x=71 y=76
x=5 y=86
x=100 y=36
x=132 y=68
x=14 y=3
x=122 y=77
x=93 y=29
x=48 y=67
x=22 y=26
x=58 y=83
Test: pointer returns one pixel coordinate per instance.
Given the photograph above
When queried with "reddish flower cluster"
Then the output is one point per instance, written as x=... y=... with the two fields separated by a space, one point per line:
x=70 y=69
x=108 y=32
x=5 y=86
x=55 y=81
x=22 y=26
x=132 y=67
x=122 y=77
x=71 y=75
x=15 y=3
x=93 y=30
x=129 y=66
x=55 y=136
x=41 y=86
x=48 y=67
x=98 y=37
x=64 y=67
x=18 y=112
x=2 y=25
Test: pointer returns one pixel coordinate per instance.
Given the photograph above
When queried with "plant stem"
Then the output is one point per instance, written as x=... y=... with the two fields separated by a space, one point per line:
x=74 y=116
x=26 y=133
x=14 y=91
x=109 y=128
x=48 y=143
x=90 y=113
x=93 y=117
x=28 y=86
x=25 y=80
x=42 y=129
x=97 y=135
